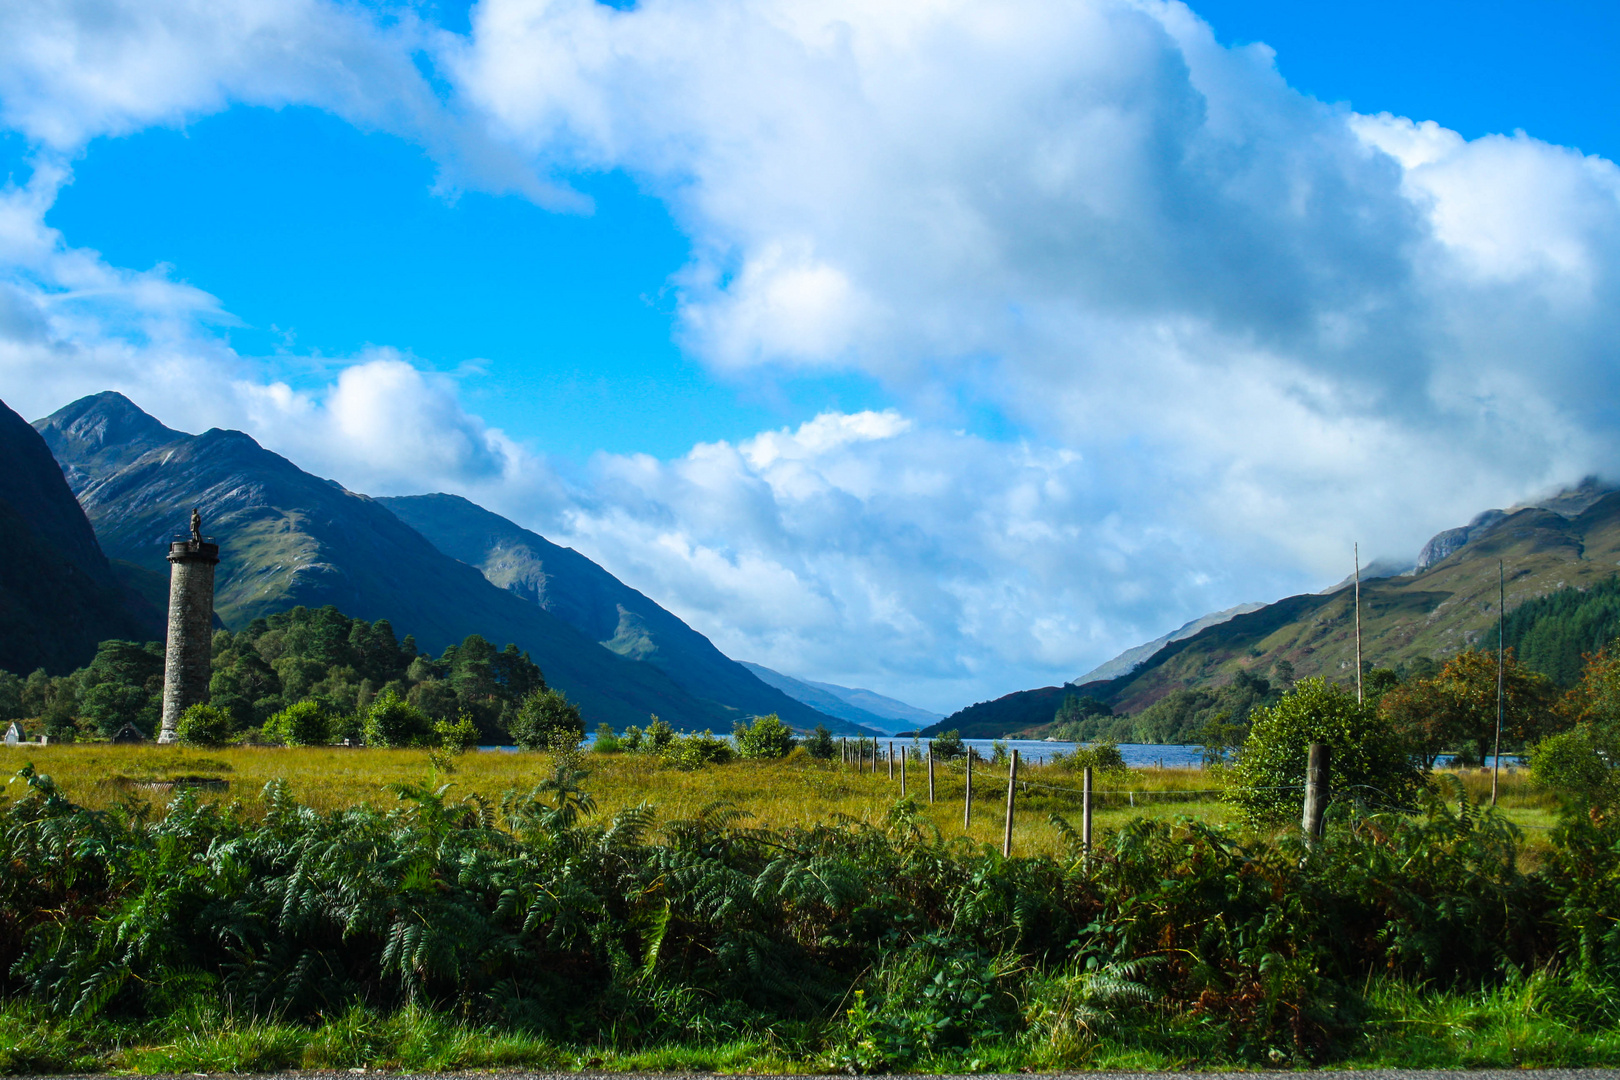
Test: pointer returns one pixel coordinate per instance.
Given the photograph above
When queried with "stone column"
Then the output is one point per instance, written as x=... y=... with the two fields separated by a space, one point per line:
x=188 y=657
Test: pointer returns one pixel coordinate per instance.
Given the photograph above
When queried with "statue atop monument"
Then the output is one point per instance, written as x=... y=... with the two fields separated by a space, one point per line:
x=196 y=526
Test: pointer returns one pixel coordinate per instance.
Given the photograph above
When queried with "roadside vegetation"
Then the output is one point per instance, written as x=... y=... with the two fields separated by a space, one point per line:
x=618 y=910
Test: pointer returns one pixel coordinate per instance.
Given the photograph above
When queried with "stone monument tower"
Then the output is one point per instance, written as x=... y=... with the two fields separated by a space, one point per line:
x=188 y=657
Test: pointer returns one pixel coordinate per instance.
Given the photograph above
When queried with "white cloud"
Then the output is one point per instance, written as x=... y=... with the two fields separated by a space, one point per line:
x=864 y=548
x=74 y=70
x=1286 y=319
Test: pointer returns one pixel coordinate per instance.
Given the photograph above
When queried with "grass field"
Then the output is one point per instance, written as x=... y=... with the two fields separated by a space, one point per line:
x=795 y=791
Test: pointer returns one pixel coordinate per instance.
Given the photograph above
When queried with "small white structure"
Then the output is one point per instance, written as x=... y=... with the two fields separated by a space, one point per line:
x=15 y=734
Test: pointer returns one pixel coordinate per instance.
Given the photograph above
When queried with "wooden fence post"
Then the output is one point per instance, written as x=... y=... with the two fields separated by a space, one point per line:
x=843 y=750
x=891 y=762
x=1085 y=812
x=967 y=795
x=902 y=771
x=930 y=772
x=1012 y=783
x=1316 y=790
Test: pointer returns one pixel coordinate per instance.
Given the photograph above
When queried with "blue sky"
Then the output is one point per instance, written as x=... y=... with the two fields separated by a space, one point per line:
x=944 y=357
x=322 y=238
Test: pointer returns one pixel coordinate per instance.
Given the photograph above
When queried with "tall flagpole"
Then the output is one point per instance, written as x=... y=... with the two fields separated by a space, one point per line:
x=1358 y=622
x=1501 y=606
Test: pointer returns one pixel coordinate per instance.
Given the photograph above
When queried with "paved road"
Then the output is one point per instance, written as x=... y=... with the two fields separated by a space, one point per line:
x=1342 y=1074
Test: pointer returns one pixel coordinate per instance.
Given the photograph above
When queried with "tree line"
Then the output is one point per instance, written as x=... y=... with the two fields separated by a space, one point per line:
x=342 y=666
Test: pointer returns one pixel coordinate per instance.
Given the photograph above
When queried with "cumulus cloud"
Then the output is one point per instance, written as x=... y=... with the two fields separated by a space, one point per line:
x=73 y=70
x=1298 y=322
x=868 y=548
x=1235 y=328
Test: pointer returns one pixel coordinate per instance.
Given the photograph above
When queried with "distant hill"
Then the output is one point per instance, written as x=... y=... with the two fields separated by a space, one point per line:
x=598 y=605
x=289 y=538
x=871 y=711
x=1133 y=658
x=1023 y=711
x=899 y=715
x=1571 y=541
x=58 y=594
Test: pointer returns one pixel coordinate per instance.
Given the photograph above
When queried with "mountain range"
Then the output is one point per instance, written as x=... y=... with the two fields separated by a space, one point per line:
x=1444 y=603
x=436 y=566
x=864 y=707
x=94 y=493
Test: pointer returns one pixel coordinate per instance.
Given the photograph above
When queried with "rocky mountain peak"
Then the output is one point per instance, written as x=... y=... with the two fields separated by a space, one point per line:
x=99 y=434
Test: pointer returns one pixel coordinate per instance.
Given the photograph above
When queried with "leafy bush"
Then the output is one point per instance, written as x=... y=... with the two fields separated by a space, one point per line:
x=819 y=744
x=766 y=737
x=457 y=737
x=544 y=715
x=948 y=746
x=303 y=723
x=606 y=742
x=1584 y=762
x=203 y=725
x=1103 y=757
x=393 y=721
x=659 y=736
x=692 y=752
x=1369 y=761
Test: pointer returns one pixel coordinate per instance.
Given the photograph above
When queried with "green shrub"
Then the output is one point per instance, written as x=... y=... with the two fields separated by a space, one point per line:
x=393 y=721
x=659 y=736
x=606 y=742
x=456 y=736
x=631 y=740
x=203 y=725
x=948 y=746
x=1103 y=757
x=303 y=723
x=692 y=752
x=767 y=737
x=1369 y=762
x=1581 y=762
x=820 y=744
x=543 y=715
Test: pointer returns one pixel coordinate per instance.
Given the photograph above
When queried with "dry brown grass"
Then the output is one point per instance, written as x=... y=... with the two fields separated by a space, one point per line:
x=797 y=791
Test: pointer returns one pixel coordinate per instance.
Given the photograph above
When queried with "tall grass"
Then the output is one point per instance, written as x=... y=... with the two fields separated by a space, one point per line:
x=796 y=792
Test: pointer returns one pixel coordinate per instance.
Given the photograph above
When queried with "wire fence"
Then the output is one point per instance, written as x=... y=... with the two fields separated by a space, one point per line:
x=875 y=761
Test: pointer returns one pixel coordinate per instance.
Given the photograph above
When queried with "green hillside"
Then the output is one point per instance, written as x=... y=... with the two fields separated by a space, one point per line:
x=1429 y=616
